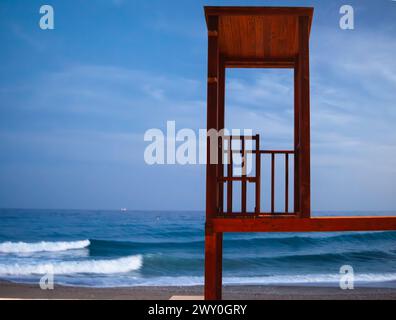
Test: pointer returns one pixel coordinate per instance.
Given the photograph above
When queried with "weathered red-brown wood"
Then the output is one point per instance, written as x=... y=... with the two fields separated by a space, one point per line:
x=289 y=223
x=276 y=151
x=258 y=32
x=213 y=263
x=260 y=63
x=212 y=106
x=220 y=126
x=259 y=11
x=272 y=182
x=296 y=186
x=258 y=176
x=286 y=182
x=213 y=245
x=262 y=37
x=229 y=174
x=240 y=179
x=304 y=163
x=243 y=181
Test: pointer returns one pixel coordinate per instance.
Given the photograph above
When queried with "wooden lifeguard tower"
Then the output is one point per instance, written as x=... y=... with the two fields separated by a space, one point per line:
x=261 y=37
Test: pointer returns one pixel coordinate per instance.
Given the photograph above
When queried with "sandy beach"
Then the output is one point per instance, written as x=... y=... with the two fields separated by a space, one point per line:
x=252 y=292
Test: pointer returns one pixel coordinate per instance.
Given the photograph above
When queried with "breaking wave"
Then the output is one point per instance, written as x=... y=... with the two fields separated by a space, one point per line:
x=309 y=279
x=113 y=266
x=26 y=247
x=364 y=279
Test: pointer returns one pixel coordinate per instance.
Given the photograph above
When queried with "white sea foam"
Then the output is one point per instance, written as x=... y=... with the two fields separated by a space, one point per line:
x=311 y=279
x=26 y=247
x=308 y=279
x=112 y=266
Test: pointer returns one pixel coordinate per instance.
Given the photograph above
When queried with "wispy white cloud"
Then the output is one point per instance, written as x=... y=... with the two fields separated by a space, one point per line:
x=112 y=93
x=74 y=146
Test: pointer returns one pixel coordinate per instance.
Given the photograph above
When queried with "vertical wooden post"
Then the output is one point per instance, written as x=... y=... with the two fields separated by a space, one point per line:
x=212 y=110
x=258 y=175
x=287 y=183
x=213 y=265
x=304 y=118
x=272 y=182
x=229 y=174
x=213 y=241
x=243 y=183
x=220 y=126
x=296 y=169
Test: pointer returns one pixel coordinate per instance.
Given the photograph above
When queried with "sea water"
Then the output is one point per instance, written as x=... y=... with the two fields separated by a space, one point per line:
x=133 y=248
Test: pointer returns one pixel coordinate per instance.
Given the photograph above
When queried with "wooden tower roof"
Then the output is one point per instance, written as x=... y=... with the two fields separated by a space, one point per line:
x=253 y=36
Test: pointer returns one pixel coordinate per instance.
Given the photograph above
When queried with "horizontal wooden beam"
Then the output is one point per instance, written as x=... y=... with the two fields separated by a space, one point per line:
x=276 y=151
x=231 y=62
x=261 y=151
x=241 y=178
x=240 y=137
x=287 y=223
x=238 y=10
x=253 y=215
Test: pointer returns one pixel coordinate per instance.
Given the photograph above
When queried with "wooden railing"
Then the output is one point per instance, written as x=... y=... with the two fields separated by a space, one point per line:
x=273 y=153
x=229 y=178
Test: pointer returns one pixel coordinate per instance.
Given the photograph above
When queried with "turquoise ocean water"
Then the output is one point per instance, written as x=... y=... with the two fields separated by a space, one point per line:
x=114 y=248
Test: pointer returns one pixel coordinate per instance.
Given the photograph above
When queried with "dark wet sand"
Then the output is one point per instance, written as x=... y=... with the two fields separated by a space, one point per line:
x=28 y=291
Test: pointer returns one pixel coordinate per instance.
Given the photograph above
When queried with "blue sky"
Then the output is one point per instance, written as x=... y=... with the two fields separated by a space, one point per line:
x=75 y=103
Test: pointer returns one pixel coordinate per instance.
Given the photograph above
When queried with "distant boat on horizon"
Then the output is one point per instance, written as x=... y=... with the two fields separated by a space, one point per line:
x=124 y=209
